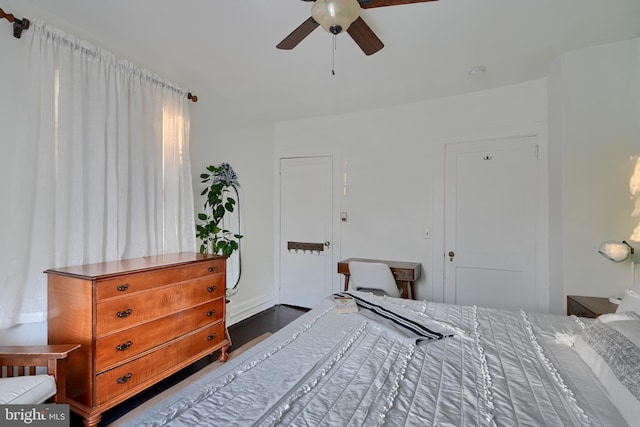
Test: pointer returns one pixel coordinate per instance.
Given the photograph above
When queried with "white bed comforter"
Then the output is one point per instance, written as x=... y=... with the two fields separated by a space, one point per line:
x=497 y=367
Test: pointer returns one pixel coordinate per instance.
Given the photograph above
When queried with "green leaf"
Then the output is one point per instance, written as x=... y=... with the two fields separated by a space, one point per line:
x=217 y=204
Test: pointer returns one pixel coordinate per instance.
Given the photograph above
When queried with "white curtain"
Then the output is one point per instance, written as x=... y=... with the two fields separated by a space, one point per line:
x=98 y=167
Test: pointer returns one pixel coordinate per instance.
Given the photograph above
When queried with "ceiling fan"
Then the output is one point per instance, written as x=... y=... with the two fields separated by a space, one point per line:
x=336 y=16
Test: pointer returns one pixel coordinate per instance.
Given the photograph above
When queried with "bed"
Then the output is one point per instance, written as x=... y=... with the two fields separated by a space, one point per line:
x=399 y=362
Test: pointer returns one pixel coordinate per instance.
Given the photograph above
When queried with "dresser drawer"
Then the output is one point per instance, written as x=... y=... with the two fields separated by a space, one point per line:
x=134 y=282
x=115 y=348
x=113 y=383
x=120 y=313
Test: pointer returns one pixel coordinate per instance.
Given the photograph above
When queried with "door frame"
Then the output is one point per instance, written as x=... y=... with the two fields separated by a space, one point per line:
x=538 y=130
x=335 y=224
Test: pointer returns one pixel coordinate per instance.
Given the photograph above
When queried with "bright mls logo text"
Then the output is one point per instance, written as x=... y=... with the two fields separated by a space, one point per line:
x=27 y=416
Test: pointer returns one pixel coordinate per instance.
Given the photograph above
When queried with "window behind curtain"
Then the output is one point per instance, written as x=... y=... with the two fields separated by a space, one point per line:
x=99 y=167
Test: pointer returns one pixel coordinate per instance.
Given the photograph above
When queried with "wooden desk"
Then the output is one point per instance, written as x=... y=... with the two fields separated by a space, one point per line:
x=405 y=272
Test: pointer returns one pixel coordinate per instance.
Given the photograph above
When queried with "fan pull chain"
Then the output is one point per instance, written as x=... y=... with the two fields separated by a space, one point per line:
x=333 y=57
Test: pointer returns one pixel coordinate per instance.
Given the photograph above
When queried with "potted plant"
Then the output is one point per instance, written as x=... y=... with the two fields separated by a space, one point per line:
x=221 y=184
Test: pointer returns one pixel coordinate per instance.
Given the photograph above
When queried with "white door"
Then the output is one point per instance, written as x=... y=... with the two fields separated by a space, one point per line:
x=306 y=211
x=491 y=211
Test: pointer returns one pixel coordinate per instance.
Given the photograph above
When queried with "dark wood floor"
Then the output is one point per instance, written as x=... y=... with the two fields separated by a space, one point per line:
x=269 y=320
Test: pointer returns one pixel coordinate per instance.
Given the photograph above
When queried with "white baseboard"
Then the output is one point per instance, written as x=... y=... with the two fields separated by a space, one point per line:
x=246 y=309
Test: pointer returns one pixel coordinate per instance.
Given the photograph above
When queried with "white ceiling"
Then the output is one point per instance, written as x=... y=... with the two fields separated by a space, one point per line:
x=224 y=50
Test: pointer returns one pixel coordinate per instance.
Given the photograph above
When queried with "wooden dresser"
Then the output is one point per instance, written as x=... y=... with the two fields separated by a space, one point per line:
x=138 y=321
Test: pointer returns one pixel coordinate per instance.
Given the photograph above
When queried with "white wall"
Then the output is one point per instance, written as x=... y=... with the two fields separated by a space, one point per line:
x=249 y=152
x=597 y=125
x=556 y=288
x=393 y=159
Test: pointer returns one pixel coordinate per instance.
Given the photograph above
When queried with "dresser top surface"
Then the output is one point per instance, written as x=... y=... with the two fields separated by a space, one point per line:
x=126 y=266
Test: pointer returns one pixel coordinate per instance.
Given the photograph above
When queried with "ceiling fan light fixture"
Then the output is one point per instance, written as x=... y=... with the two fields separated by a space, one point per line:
x=335 y=16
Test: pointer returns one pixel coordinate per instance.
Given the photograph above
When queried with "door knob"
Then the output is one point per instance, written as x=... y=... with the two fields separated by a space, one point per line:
x=327 y=243
x=451 y=255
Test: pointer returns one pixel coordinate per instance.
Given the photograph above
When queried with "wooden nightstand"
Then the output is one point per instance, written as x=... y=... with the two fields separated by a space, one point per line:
x=589 y=306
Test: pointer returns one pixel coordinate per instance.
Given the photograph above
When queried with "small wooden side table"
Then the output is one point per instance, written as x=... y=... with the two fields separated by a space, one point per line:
x=593 y=307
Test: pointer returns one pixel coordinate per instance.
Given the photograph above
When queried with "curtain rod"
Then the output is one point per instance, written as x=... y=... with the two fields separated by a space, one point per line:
x=18 y=24
x=24 y=23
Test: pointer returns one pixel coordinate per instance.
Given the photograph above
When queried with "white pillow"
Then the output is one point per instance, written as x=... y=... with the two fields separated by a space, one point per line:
x=617 y=316
x=630 y=300
x=611 y=348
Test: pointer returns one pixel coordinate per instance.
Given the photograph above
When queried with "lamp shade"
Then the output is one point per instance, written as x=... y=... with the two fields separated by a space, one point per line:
x=615 y=251
x=335 y=16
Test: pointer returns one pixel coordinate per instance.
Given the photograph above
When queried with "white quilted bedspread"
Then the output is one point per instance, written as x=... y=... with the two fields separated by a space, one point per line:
x=497 y=367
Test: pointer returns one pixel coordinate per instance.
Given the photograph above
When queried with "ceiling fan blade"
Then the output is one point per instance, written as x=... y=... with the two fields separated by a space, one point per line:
x=298 y=34
x=368 y=4
x=364 y=36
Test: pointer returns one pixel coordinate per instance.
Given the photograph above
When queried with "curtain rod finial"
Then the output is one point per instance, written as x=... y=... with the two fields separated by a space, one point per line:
x=192 y=97
x=20 y=25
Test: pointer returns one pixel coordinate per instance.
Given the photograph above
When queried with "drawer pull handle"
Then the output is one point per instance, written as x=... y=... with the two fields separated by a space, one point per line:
x=211 y=313
x=210 y=337
x=124 y=346
x=124 y=379
x=211 y=288
x=123 y=314
x=123 y=288
x=212 y=269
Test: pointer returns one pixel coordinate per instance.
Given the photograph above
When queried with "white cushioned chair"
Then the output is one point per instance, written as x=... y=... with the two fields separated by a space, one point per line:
x=373 y=277
x=19 y=382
